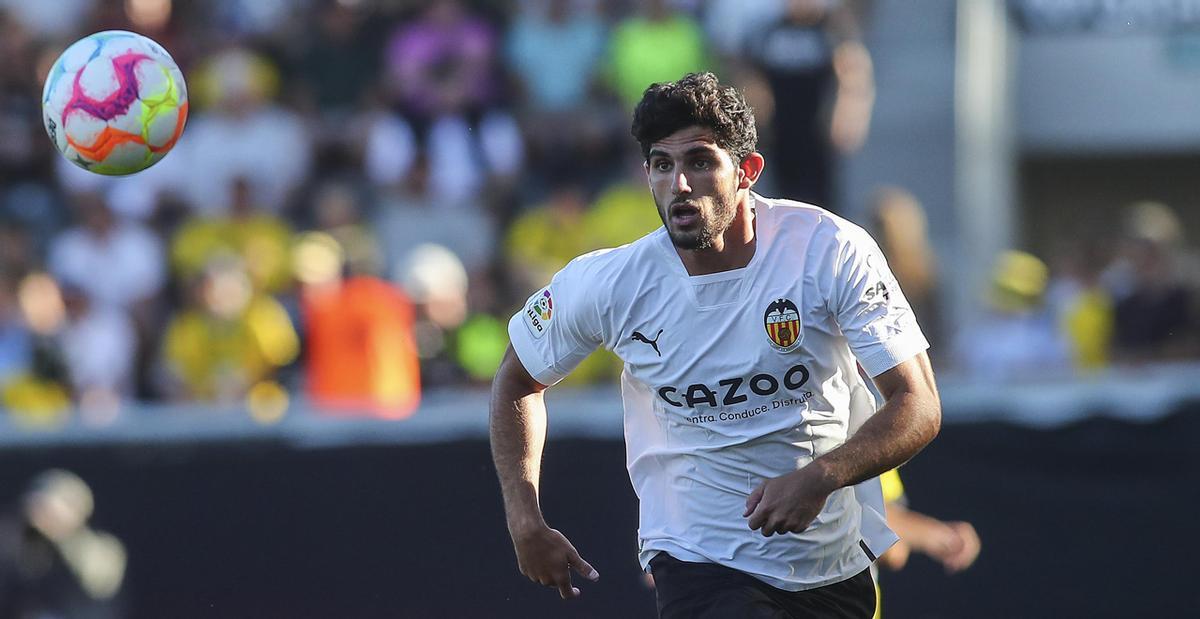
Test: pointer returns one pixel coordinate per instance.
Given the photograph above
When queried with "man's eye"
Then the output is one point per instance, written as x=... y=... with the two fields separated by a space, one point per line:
x=662 y=166
x=702 y=164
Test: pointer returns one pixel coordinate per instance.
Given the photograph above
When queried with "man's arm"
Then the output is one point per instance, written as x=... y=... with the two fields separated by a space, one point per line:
x=518 y=433
x=909 y=419
x=953 y=544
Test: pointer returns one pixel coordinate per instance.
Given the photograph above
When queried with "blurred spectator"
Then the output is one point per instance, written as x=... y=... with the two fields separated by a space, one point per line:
x=1083 y=306
x=237 y=19
x=732 y=24
x=657 y=45
x=261 y=240
x=573 y=36
x=442 y=70
x=443 y=62
x=84 y=349
x=1017 y=337
x=823 y=85
x=18 y=252
x=38 y=395
x=98 y=344
x=361 y=353
x=116 y=263
x=1156 y=310
x=544 y=238
x=624 y=211
x=434 y=278
x=240 y=132
x=338 y=214
x=22 y=138
x=53 y=564
x=389 y=151
x=16 y=342
x=339 y=61
x=901 y=229
x=60 y=19
x=414 y=215
x=480 y=345
x=228 y=339
x=561 y=118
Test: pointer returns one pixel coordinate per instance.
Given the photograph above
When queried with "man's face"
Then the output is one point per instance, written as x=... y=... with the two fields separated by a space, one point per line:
x=695 y=185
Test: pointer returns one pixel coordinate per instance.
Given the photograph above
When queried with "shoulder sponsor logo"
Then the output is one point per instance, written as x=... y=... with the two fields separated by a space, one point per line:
x=877 y=294
x=782 y=322
x=538 y=312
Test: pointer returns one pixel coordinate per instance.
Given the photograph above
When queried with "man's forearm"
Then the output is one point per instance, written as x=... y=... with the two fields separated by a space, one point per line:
x=902 y=427
x=518 y=433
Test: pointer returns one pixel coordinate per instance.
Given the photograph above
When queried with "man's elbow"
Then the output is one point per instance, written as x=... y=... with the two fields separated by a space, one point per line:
x=931 y=417
x=512 y=381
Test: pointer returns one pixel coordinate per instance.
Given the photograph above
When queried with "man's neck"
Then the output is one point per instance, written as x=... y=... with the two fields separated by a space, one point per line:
x=732 y=250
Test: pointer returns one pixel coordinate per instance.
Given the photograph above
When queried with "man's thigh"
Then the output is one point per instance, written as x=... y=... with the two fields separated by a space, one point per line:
x=708 y=591
x=687 y=589
x=853 y=598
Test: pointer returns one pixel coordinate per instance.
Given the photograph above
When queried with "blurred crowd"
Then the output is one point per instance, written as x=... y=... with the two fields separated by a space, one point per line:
x=367 y=189
x=1129 y=298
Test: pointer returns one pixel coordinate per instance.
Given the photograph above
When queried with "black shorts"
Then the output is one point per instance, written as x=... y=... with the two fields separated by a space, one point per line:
x=689 y=590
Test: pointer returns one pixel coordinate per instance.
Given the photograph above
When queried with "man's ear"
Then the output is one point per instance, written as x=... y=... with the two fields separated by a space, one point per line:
x=646 y=169
x=750 y=168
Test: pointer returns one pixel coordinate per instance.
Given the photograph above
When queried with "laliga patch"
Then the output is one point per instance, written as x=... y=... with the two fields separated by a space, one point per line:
x=539 y=310
x=782 y=322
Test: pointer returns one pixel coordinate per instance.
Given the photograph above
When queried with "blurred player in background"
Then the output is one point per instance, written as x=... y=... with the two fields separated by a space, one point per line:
x=953 y=544
x=752 y=441
x=53 y=564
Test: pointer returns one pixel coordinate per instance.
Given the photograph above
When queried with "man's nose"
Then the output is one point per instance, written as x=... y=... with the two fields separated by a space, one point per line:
x=680 y=184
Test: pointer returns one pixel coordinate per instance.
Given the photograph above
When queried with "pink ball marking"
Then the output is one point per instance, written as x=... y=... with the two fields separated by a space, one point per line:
x=119 y=101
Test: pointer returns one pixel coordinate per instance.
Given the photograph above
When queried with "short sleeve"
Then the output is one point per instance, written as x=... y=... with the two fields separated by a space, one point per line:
x=869 y=307
x=558 y=326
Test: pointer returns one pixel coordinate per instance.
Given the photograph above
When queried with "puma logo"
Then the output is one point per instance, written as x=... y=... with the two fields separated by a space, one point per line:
x=638 y=337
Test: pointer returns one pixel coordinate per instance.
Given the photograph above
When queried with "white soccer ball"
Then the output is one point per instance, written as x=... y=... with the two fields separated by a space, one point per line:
x=114 y=103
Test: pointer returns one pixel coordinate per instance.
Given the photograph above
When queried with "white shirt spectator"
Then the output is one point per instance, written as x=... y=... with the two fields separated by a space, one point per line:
x=270 y=145
x=118 y=269
x=99 y=349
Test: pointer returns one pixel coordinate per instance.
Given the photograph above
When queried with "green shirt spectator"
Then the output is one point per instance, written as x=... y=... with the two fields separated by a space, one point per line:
x=657 y=47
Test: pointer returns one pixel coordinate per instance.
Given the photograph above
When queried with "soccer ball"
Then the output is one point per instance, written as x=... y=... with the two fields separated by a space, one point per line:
x=114 y=103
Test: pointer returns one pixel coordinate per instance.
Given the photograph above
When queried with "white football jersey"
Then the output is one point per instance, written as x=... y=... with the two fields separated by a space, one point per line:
x=735 y=377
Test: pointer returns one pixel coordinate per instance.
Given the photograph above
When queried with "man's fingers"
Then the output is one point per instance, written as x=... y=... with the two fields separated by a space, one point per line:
x=760 y=515
x=753 y=500
x=969 y=547
x=565 y=590
x=584 y=568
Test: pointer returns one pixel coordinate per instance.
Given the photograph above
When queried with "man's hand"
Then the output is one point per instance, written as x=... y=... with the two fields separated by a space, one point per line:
x=954 y=544
x=788 y=504
x=546 y=557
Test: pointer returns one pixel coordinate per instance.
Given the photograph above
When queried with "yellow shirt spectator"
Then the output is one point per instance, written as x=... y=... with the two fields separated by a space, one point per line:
x=219 y=358
x=261 y=241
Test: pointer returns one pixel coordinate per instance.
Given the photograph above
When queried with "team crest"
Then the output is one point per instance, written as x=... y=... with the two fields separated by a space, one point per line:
x=782 y=322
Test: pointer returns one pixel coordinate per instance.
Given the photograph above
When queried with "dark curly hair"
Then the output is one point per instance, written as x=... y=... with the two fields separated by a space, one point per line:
x=696 y=99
